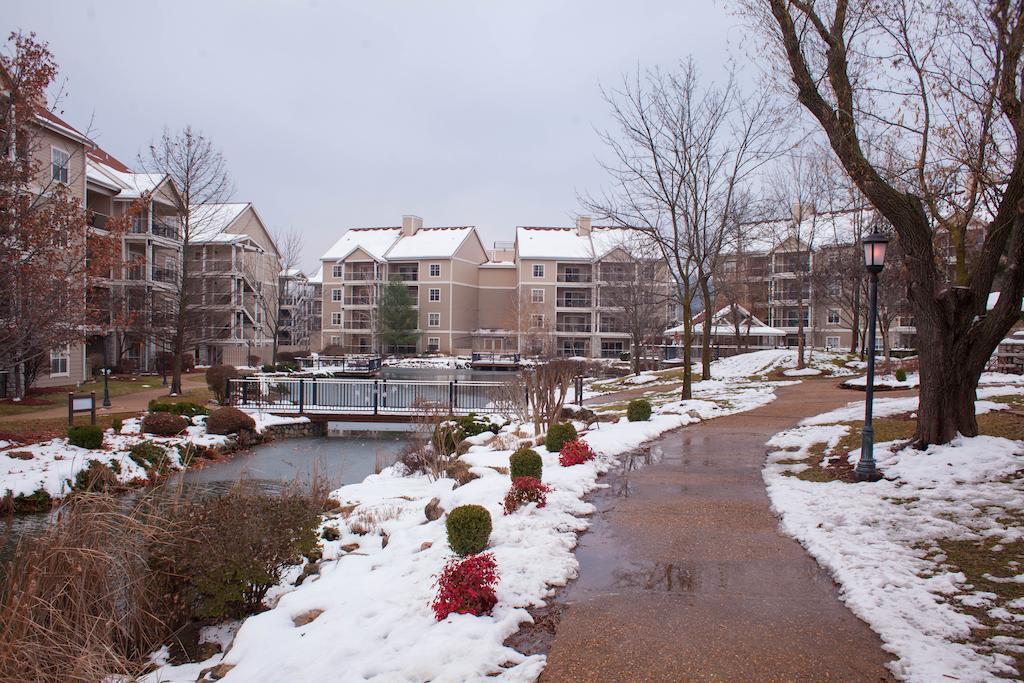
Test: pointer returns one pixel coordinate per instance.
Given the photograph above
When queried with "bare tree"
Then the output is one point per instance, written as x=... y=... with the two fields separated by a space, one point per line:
x=639 y=293
x=682 y=153
x=921 y=103
x=200 y=174
x=533 y=329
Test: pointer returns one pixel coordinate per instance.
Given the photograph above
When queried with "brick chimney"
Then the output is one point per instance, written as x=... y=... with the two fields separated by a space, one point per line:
x=583 y=226
x=410 y=224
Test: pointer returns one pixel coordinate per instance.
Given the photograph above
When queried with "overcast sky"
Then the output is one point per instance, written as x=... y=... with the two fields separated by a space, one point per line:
x=344 y=114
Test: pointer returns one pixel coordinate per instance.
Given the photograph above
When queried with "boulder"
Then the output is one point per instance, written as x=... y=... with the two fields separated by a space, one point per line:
x=307 y=617
x=433 y=510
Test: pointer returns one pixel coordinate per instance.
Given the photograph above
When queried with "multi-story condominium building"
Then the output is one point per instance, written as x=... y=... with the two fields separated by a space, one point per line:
x=131 y=308
x=295 y=311
x=541 y=293
x=316 y=309
x=235 y=288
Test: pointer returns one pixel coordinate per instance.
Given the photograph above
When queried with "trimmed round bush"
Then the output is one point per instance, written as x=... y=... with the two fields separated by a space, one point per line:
x=558 y=434
x=447 y=436
x=638 y=410
x=901 y=375
x=164 y=424
x=85 y=436
x=469 y=529
x=229 y=420
x=183 y=408
x=525 y=462
x=216 y=378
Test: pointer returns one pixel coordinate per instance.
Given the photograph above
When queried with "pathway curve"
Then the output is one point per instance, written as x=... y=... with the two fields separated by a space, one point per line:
x=685 y=576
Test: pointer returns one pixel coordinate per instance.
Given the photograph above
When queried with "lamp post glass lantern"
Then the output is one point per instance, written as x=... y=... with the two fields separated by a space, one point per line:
x=874 y=261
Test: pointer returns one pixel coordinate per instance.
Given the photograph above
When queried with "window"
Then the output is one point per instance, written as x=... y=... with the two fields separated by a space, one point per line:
x=59 y=161
x=337 y=270
x=433 y=320
x=335 y=340
x=336 y=318
x=537 y=320
x=435 y=270
x=833 y=316
x=336 y=294
x=59 y=361
x=538 y=270
x=435 y=294
x=832 y=342
x=537 y=296
x=433 y=344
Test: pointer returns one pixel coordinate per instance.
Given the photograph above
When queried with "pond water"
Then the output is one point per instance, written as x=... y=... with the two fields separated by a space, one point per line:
x=444 y=374
x=342 y=460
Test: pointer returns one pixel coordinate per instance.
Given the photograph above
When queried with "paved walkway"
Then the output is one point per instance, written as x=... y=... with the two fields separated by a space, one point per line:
x=685 y=576
x=135 y=402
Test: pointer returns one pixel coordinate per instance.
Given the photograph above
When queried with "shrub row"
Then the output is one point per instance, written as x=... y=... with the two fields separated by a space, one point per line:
x=184 y=408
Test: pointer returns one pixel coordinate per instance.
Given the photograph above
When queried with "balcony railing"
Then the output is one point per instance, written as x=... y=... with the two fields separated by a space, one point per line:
x=140 y=224
x=164 y=275
x=359 y=300
x=572 y=327
x=405 y=276
x=359 y=275
x=98 y=220
x=574 y=277
x=572 y=302
x=357 y=324
x=166 y=228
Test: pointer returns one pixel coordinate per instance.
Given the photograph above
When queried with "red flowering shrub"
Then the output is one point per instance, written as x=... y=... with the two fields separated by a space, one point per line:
x=466 y=586
x=526 y=490
x=575 y=452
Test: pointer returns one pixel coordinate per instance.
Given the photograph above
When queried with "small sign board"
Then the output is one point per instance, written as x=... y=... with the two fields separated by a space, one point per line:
x=82 y=403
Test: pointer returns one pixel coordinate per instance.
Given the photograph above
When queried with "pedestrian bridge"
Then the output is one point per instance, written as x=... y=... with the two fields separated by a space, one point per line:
x=376 y=400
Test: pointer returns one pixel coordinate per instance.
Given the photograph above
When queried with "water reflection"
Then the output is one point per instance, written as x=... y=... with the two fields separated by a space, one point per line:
x=666 y=577
x=631 y=462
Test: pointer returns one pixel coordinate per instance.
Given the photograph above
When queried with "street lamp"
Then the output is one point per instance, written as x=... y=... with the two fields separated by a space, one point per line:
x=874 y=261
x=106 y=373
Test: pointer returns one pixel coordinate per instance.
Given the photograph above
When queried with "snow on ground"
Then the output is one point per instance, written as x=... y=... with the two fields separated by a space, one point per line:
x=913 y=379
x=52 y=466
x=888 y=543
x=376 y=622
x=428 y=362
x=801 y=372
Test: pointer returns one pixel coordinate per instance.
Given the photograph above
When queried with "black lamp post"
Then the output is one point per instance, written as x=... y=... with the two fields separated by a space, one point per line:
x=874 y=261
x=106 y=374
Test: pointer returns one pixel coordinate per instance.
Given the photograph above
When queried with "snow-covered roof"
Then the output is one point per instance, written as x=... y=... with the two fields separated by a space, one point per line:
x=374 y=241
x=215 y=218
x=429 y=243
x=561 y=243
x=317 y=278
x=721 y=325
x=104 y=170
x=821 y=230
x=225 y=238
x=291 y=272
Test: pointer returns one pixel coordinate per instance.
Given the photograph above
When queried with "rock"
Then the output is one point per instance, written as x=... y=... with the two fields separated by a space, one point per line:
x=315 y=555
x=385 y=537
x=459 y=471
x=309 y=570
x=215 y=673
x=433 y=510
x=349 y=547
x=20 y=455
x=693 y=414
x=307 y=617
x=425 y=545
x=330 y=533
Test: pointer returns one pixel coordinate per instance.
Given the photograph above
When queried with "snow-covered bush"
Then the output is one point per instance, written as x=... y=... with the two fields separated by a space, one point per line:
x=525 y=462
x=575 y=452
x=525 y=490
x=229 y=420
x=558 y=434
x=469 y=529
x=164 y=424
x=85 y=436
x=638 y=410
x=466 y=586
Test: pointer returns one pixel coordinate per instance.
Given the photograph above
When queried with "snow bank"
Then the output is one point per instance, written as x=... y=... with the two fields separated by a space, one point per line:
x=879 y=540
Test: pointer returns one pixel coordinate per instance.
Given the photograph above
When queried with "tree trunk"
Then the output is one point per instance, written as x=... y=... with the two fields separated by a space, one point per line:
x=705 y=339
x=687 y=390
x=855 y=324
x=947 y=394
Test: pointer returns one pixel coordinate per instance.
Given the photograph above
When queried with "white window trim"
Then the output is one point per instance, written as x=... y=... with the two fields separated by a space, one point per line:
x=64 y=354
x=432 y=292
x=533 y=296
x=433 y=342
x=838 y=316
x=534 y=270
x=337 y=270
x=336 y=318
x=832 y=342
x=539 y=316
x=430 y=270
x=431 y=317
x=66 y=166
x=336 y=294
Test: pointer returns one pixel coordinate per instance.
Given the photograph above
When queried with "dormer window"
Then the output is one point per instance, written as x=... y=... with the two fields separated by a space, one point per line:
x=59 y=162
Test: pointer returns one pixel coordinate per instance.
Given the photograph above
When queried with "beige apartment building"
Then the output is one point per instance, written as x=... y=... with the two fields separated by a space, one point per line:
x=538 y=294
x=236 y=290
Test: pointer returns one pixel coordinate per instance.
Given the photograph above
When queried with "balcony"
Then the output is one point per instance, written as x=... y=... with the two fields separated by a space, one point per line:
x=357 y=324
x=574 y=275
x=98 y=220
x=573 y=302
x=164 y=275
x=572 y=327
x=167 y=228
x=364 y=300
x=360 y=275
x=406 y=275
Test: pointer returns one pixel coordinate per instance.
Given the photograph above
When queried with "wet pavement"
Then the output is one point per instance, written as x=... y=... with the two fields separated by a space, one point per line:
x=684 y=575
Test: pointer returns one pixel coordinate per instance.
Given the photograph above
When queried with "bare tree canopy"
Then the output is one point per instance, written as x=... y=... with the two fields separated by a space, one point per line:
x=683 y=154
x=921 y=103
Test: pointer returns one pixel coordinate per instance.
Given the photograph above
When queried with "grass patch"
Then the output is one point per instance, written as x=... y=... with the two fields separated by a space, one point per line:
x=1002 y=423
x=896 y=428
